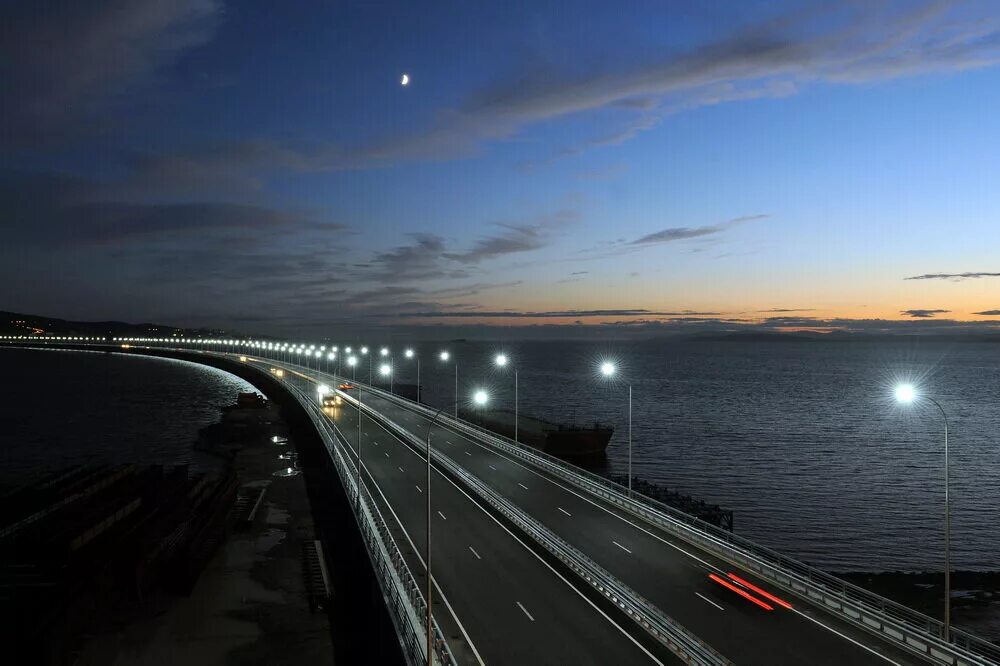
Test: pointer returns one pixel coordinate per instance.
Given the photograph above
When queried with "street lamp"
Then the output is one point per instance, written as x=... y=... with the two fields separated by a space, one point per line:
x=409 y=353
x=353 y=362
x=609 y=370
x=444 y=356
x=501 y=361
x=480 y=398
x=906 y=394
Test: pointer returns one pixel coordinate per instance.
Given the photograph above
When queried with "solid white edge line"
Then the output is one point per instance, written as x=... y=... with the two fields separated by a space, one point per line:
x=847 y=638
x=441 y=594
x=500 y=454
x=525 y=611
x=524 y=545
x=709 y=601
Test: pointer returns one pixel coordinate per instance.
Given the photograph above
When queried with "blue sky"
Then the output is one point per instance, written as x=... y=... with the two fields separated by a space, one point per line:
x=258 y=165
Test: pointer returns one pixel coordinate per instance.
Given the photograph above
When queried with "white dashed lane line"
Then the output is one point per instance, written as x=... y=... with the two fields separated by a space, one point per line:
x=565 y=511
x=521 y=606
x=622 y=547
x=475 y=553
x=523 y=486
x=709 y=601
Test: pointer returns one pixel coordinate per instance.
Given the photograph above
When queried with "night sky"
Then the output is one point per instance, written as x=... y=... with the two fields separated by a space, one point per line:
x=258 y=164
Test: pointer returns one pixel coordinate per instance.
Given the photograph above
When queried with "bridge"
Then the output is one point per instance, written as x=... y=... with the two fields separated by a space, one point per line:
x=535 y=561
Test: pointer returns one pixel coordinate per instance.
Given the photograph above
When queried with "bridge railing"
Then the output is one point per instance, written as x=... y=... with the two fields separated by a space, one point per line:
x=400 y=590
x=688 y=647
x=894 y=622
x=874 y=613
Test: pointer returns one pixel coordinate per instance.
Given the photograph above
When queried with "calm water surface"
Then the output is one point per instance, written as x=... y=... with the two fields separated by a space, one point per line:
x=800 y=439
x=59 y=408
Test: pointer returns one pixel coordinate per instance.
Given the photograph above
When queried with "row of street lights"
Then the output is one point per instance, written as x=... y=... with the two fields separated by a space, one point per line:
x=905 y=394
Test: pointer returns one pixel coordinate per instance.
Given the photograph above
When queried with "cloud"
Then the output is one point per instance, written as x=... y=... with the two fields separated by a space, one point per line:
x=988 y=313
x=683 y=233
x=788 y=310
x=52 y=209
x=61 y=60
x=923 y=314
x=838 y=43
x=552 y=314
x=420 y=260
x=955 y=277
x=516 y=238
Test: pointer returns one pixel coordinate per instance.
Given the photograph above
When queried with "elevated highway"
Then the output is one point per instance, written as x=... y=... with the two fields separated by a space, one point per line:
x=535 y=561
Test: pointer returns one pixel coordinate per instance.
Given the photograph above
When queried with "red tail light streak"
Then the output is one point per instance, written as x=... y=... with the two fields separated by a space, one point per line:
x=763 y=593
x=743 y=593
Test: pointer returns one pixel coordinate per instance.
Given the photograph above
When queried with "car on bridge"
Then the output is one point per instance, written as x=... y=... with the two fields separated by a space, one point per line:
x=332 y=400
x=347 y=386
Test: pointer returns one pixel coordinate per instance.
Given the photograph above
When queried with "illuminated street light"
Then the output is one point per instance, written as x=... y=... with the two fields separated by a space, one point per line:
x=444 y=356
x=608 y=369
x=501 y=361
x=480 y=397
x=385 y=370
x=383 y=351
x=907 y=394
x=409 y=353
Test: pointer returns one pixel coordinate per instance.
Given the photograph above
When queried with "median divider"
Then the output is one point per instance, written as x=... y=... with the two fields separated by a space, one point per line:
x=688 y=647
x=883 y=617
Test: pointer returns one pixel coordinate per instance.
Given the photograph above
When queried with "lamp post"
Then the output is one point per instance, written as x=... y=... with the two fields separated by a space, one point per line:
x=353 y=361
x=364 y=352
x=385 y=352
x=386 y=371
x=906 y=394
x=444 y=356
x=501 y=360
x=409 y=353
x=480 y=398
x=608 y=369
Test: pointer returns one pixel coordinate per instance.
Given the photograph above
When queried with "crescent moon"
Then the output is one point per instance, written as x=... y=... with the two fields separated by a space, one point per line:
x=405 y=80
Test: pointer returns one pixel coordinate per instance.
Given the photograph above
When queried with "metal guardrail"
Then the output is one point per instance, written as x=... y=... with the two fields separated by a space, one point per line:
x=896 y=623
x=688 y=647
x=400 y=590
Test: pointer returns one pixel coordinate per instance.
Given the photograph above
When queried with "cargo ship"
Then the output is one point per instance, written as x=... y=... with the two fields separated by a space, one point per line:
x=557 y=439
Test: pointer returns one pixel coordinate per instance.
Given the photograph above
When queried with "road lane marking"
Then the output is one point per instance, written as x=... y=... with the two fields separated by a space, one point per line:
x=622 y=547
x=386 y=454
x=493 y=468
x=400 y=469
x=710 y=601
x=447 y=441
x=441 y=594
x=845 y=637
x=475 y=553
x=565 y=511
x=522 y=485
x=525 y=611
x=477 y=504
x=418 y=489
x=443 y=517
x=467 y=453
